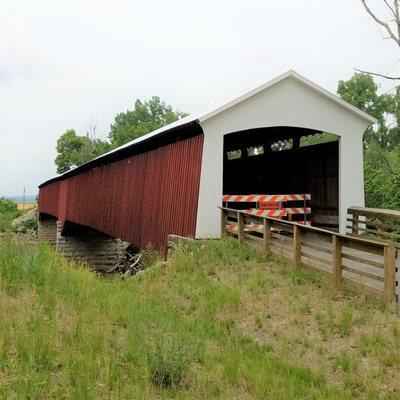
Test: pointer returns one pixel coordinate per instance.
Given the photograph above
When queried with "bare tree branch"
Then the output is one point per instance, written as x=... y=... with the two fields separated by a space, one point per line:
x=397 y=16
x=390 y=8
x=383 y=23
x=92 y=129
x=394 y=78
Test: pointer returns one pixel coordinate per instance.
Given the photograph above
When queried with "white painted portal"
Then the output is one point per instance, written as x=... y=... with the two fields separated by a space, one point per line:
x=290 y=101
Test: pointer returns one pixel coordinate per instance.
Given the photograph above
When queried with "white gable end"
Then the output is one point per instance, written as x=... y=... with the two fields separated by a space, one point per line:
x=287 y=103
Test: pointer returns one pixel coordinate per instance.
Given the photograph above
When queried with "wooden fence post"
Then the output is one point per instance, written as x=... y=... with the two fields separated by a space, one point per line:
x=380 y=230
x=223 y=223
x=355 y=223
x=267 y=236
x=337 y=266
x=240 y=221
x=390 y=273
x=296 y=246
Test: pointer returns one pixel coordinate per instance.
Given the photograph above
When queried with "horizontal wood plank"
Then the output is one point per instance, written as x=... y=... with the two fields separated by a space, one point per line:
x=315 y=257
x=317 y=247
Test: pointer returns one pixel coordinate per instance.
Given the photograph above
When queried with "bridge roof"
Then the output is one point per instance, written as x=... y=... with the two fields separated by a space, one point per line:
x=209 y=112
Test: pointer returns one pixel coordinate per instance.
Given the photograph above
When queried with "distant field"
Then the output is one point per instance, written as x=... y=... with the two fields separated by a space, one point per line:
x=26 y=206
x=29 y=198
x=23 y=204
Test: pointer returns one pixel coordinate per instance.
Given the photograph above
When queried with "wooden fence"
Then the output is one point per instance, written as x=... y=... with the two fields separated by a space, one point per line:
x=374 y=222
x=366 y=264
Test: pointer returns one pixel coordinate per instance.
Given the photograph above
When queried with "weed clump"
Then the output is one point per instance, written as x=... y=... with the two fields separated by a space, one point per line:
x=169 y=360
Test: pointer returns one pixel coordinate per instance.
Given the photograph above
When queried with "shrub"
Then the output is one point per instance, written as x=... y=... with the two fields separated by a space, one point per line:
x=8 y=211
x=8 y=207
x=29 y=225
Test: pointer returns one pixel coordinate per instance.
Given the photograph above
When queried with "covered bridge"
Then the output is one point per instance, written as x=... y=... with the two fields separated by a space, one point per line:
x=171 y=181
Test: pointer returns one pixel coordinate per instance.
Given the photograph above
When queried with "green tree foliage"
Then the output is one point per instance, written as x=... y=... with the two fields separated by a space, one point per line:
x=381 y=145
x=393 y=132
x=362 y=92
x=318 y=138
x=146 y=117
x=382 y=177
x=74 y=150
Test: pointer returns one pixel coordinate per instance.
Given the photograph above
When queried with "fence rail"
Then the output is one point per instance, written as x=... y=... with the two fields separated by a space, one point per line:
x=378 y=223
x=366 y=264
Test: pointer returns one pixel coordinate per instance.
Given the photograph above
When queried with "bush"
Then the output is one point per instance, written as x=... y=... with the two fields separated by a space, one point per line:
x=8 y=211
x=30 y=225
x=8 y=207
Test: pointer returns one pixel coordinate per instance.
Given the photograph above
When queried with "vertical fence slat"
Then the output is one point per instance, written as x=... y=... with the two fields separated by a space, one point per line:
x=267 y=236
x=296 y=246
x=390 y=273
x=337 y=266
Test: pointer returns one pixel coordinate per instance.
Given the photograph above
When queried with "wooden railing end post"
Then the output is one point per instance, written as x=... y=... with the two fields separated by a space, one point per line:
x=337 y=267
x=223 y=223
x=267 y=236
x=390 y=274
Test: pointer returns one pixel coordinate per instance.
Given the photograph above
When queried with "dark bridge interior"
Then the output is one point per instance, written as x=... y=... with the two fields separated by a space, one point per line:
x=277 y=161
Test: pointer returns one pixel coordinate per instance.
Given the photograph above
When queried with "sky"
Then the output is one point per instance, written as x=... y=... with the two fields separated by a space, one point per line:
x=64 y=64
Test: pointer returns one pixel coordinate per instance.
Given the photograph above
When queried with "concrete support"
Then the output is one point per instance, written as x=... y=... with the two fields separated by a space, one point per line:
x=47 y=230
x=98 y=250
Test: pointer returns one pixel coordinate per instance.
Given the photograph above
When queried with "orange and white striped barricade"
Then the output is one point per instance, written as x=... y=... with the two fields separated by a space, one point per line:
x=264 y=198
x=273 y=202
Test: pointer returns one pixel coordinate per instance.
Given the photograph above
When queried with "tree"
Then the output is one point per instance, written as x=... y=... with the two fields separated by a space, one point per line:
x=382 y=177
x=362 y=92
x=382 y=146
x=146 y=117
x=74 y=150
x=390 y=23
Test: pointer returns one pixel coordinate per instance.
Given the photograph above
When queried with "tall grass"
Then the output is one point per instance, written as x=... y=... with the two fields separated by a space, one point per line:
x=174 y=331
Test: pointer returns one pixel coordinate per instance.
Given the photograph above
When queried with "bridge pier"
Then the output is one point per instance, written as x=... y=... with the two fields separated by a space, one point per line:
x=75 y=242
x=47 y=230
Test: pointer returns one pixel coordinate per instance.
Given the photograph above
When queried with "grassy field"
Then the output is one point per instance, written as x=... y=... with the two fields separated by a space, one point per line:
x=26 y=206
x=216 y=322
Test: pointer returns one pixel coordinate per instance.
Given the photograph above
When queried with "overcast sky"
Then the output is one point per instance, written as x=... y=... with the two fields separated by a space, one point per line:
x=65 y=63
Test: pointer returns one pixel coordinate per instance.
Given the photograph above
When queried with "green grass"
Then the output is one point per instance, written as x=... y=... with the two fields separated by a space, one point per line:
x=217 y=321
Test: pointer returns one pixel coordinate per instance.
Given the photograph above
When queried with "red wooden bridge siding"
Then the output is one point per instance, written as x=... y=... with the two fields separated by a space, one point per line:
x=140 y=199
x=48 y=199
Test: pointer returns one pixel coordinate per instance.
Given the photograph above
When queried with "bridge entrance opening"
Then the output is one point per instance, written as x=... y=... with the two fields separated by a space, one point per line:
x=281 y=161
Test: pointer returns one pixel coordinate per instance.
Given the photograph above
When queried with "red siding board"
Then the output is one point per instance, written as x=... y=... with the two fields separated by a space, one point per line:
x=140 y=199
x=48 y=199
